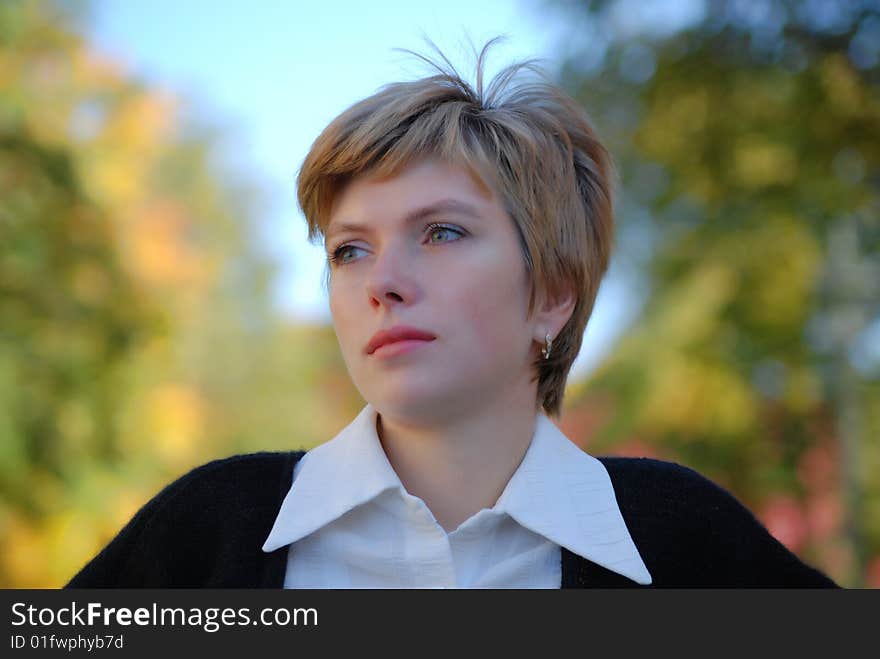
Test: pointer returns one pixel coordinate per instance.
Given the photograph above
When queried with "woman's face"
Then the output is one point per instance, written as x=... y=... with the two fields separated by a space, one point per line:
x=433 y=250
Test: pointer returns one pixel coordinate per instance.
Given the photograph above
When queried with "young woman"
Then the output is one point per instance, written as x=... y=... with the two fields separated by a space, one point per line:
x=467 y=231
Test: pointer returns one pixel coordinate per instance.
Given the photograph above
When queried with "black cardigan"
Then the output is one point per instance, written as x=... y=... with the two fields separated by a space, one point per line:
x=206 y=530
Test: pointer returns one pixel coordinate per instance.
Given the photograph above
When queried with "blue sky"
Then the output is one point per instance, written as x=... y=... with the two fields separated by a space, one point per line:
x=277 y=72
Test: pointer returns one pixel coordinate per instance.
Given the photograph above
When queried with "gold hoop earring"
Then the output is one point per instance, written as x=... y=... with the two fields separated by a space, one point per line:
x=548 y=345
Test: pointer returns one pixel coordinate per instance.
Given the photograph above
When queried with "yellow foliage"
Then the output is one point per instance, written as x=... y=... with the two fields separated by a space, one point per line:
x=697 y=399
x=7 y=72
x=93 y=69
x=67 y=535
x=125 y=504
x=763 y=99
x=45 y=75
x=116 y=168
x=842 y=86
x=667 y=131
x=177 y=422
x=42 y=552
x=785 y=260
x=803 y=390
x=142 y=124
x=691 y=312
x=758 y=163
x=114 y=177
x=157 y=249
x=701 y=187
x=75 y=424
x=26 y=554
x=46 y=553
x=89 y=283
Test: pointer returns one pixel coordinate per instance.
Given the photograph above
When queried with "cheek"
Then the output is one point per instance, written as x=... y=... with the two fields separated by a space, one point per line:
x=343 y=315
x=494 y=310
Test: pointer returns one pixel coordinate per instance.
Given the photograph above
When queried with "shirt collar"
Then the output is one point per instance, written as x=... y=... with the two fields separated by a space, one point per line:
x=558 y=491
x=566 y=495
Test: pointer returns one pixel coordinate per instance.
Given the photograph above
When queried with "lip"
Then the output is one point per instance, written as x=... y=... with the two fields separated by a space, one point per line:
x=398 y=333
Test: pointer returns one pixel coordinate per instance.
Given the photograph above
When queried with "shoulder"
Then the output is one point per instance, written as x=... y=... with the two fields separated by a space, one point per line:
x=200 y=519
x=240 y=482
x=667 y=504
x=245 y=464
x=251 y=471
x=692 y=531
x=648 y=482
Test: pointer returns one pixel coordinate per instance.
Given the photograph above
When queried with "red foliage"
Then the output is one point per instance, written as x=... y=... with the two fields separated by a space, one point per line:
x=785 y=519
x=824 y=516
x=818 y=468
x=872 y=574
x=581 y=422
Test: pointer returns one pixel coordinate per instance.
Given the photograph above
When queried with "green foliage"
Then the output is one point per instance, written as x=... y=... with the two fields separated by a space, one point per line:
x=137 y=334
x=70 y=318
x=752 y=162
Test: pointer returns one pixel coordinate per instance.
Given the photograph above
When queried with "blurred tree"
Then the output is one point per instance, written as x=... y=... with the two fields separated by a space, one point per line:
x=748 y=140
x=71 y=314
x=137 y=334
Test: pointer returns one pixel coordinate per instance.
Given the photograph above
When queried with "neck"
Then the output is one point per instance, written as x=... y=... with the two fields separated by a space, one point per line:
x=460 y=467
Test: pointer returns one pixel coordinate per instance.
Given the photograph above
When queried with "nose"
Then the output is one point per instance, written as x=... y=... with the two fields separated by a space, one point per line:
x=391 y=279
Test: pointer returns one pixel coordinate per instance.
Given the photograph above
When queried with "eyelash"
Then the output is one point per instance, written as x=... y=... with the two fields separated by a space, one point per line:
x=335 y=257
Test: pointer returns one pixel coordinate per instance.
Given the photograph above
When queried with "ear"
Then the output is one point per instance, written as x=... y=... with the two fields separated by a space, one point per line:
x=552 y=313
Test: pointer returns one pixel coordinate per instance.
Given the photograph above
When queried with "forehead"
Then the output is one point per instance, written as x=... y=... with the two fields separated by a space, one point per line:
x=427 y=185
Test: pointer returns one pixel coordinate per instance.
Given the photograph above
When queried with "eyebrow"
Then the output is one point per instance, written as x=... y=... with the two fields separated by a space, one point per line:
x=454 y=206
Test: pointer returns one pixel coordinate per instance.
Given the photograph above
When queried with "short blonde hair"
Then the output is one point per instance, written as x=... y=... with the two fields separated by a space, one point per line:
x=525 y=139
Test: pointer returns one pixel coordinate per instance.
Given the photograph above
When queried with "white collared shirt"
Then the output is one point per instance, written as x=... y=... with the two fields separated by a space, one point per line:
x=350 y=523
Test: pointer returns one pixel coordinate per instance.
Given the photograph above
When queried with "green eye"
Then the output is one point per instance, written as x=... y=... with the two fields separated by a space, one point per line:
x=343 y=255
x=439 y=228
x=338 y=256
